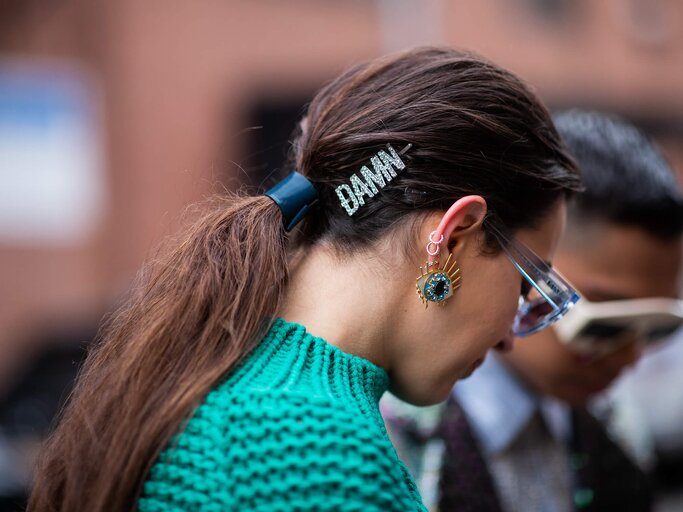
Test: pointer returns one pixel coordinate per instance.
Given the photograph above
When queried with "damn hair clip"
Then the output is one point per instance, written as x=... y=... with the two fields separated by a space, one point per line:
x=385 y=165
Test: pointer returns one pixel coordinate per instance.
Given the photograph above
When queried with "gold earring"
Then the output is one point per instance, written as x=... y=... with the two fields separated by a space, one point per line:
x=436 y=283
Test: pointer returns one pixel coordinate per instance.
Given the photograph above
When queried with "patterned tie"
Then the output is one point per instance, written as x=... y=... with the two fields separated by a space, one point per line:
x=533 y=472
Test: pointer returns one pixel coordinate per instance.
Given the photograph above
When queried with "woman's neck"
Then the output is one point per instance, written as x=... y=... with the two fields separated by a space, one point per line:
x=350 y=302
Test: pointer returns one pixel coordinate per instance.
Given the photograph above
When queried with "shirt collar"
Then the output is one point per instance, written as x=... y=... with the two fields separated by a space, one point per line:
x=498 y=405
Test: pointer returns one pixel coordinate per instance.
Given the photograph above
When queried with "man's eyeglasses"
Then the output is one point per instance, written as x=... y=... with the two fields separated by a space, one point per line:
x=551 y=297
x=600 y=327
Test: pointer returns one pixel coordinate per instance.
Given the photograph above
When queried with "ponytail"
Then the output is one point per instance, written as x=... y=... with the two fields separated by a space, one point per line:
x=196 y=313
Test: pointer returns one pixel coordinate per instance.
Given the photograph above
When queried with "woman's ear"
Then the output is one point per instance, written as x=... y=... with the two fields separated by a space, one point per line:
x=463 y=218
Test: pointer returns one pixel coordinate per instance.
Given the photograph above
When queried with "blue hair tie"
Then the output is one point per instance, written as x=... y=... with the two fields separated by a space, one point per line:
x=295 y=196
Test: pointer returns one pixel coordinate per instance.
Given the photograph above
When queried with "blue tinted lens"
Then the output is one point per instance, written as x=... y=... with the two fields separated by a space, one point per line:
x=537 y=314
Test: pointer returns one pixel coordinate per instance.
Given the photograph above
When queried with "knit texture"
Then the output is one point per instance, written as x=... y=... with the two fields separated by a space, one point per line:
x=295 y=427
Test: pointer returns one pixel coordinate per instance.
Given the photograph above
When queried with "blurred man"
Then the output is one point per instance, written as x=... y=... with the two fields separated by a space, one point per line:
x=516 y=436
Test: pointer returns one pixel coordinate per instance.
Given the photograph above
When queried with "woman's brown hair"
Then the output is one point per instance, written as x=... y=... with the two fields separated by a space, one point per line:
x=196 y=312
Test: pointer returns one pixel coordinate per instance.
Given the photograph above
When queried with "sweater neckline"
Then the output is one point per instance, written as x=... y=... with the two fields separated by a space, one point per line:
x=375 y=379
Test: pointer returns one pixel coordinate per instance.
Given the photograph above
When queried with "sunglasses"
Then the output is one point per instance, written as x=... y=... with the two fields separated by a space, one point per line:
x=550 y=295
x=600 y=327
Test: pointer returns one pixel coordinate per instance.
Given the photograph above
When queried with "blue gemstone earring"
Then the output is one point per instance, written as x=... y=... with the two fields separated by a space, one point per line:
x=436 y=283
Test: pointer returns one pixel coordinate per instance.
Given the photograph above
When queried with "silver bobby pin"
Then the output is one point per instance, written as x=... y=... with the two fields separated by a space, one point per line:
x=405 y=149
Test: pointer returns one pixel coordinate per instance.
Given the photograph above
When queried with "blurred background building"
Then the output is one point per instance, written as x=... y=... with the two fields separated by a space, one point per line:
x=115 y=115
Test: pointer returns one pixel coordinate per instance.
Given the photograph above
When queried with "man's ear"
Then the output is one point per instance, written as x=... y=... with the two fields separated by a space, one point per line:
x=462 y=219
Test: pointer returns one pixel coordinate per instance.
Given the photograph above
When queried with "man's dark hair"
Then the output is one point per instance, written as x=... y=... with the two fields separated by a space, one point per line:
x=628 y=181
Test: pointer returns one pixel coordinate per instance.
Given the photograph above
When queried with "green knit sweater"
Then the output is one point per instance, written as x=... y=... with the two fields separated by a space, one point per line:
x=295 y=427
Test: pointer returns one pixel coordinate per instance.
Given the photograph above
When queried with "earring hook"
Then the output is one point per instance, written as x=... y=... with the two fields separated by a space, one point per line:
x=434 y=242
